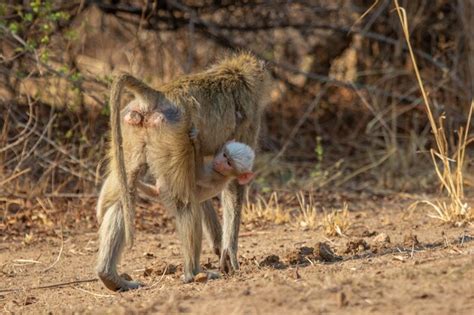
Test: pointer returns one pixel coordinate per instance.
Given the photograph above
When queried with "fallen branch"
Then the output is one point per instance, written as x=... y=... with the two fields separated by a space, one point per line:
x=49 y=286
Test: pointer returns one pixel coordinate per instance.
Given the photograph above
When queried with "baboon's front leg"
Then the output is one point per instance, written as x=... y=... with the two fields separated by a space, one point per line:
x=189 y=228
x=232 y=198
x=212 y=226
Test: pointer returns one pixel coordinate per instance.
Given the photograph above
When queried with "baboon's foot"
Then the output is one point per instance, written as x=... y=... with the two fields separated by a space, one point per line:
x=188 y=277
x=229 y=262
x=119 y=283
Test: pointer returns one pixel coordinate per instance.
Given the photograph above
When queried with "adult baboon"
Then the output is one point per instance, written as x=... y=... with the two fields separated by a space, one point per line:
x=223 y=103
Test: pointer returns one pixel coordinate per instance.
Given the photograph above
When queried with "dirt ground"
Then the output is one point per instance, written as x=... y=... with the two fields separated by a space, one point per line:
x=391 y=260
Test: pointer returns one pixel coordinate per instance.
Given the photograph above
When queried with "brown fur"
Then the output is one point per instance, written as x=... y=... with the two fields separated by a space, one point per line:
x=223 y=103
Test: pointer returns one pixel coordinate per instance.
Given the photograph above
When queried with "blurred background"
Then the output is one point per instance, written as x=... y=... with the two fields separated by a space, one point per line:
x=344 y=112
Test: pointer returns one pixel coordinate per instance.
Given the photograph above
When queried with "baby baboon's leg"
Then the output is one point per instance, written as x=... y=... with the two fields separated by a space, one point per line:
x=112 y=241
x=232 y=198
x=189 y=227
x=212 y=226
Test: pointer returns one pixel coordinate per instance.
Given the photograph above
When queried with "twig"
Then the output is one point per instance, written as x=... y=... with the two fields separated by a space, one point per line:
x=49 y=286
x=26 y=170
x=161 y=278
x=26 y=132
x=95 y=294
x=59 y=254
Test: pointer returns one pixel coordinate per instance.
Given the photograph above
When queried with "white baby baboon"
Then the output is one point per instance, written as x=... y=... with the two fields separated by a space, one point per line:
x=233 y=161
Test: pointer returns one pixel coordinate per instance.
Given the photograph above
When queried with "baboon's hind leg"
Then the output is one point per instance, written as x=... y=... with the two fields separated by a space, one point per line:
x=112 y=241
x=112 y=233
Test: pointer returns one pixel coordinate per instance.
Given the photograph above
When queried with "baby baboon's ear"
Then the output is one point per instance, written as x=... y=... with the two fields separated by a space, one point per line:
x=245 y=178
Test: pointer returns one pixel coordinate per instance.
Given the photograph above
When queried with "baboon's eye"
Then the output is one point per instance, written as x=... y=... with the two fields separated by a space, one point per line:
x=225 y=156
x=228 y=163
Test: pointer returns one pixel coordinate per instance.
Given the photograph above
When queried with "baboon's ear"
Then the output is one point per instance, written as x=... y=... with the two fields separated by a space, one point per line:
x=245 y=178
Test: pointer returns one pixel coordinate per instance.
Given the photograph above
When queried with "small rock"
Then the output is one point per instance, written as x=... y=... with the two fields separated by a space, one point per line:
x=411 y=240
x=354 y=247
x=149 y=255
x=160 y=269
x=201 y=277
x=382 y=238
x=367 y=233
x=323 y=252
x=272 y=261
x=148 y=272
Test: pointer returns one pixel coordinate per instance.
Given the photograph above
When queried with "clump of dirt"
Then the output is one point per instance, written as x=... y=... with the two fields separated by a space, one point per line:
x=323 y=252
x=304 y=255
x=357 y=246
x=272 y=261
x=201 y=277
x=382 y=238
x=367 y=233
x=411 y=240
x=380 y=242
x=160 y=269
x=300 y=256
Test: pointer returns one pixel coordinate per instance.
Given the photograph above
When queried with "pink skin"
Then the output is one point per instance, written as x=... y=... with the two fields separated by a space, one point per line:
x=153 y=120
x=133 y=118
x=136 y=118
x=221 y=164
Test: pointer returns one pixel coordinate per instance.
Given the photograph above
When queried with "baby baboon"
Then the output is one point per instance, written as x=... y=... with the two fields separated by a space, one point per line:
x=223 y=103
x=233 y=161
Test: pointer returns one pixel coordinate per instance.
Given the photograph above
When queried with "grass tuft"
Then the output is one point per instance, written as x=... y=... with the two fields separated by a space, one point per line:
x=449 y=170
x=337 y=222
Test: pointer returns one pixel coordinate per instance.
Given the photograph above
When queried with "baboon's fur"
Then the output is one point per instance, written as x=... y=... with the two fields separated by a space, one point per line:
x=224 y=102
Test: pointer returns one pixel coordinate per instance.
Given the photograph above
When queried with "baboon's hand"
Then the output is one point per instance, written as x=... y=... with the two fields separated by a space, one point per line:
x=229 y=262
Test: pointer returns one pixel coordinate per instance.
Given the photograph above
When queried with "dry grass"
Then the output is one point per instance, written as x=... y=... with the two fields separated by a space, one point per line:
x=269 y=210
x=336 y=222
x=307 y=211
x=456 y=210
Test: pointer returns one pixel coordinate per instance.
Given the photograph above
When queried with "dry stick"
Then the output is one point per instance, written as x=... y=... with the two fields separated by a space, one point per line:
x=33 y=148
x=59 y=254
x=49 y=286
x=64 y=168
x=23 y=135
x=95 y=294
x=26 y=170
x=67 y=154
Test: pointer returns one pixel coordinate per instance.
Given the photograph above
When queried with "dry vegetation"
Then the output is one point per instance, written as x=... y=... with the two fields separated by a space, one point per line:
x=366 y=160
